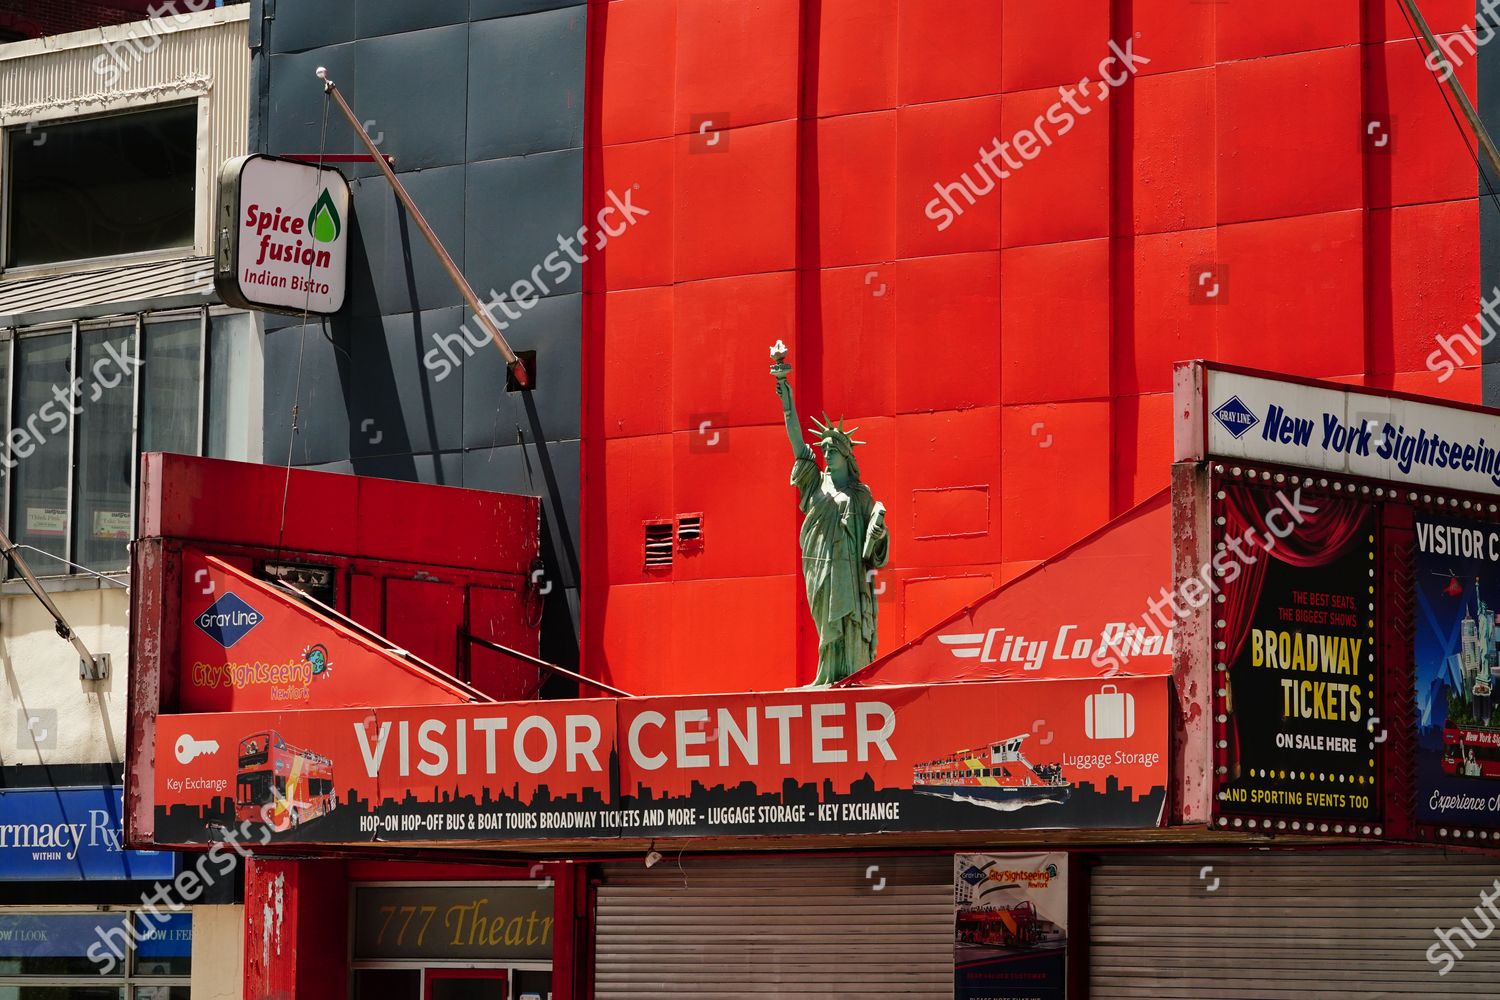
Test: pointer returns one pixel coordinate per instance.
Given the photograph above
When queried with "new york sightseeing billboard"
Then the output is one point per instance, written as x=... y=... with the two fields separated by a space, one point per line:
x=1352 y=579
x=998 y=756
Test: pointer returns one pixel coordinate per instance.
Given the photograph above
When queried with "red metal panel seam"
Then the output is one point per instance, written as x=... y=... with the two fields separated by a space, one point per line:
x=807 y=352
x=1121 y=193
x=591 y=537
x=1367 y=51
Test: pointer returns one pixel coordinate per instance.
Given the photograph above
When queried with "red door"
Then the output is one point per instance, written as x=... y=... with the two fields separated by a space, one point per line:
x=464 y=984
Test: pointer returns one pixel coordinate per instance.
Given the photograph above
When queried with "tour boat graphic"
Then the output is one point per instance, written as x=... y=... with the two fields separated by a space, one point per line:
x=996 y=776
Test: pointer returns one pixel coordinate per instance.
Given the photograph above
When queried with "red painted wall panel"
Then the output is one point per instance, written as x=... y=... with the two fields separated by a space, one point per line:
x=1056 y=298
x=1424 y=281
x=726 y=62
x=721 y=332
x=633 y=365
x=1063 y=193
x=852 y=312
x=637 y=68
x=937 y=146
x=942 y=450
x=647 y=171
x=849 y=190
x=734 y=207
x=1276 y=27
x=1056 y=479
x=1044 y=50
x=1228 y=204
x=1384 y=19
x=948 y=329
x=938 y=60
x=856 y=64
x=1423 y=158
x=1181 y=35
x=1287 y=279
x=1172 y=150
x=1289 y=135
x=1170 y=317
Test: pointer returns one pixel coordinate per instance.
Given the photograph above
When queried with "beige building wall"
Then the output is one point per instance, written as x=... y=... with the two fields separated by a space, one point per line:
x=218 y=952
x=53 y=716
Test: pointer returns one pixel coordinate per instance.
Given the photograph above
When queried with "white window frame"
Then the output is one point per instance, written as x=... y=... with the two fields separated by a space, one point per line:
x=46 y=565
x=126 y=979
x=202 y=180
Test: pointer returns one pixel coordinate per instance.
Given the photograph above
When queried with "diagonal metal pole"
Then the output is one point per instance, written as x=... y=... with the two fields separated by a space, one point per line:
x=512 y=362
x=12 y=552
x=1449 y=75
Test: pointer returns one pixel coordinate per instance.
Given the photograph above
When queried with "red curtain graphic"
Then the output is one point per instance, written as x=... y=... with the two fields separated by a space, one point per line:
x=1319 y=538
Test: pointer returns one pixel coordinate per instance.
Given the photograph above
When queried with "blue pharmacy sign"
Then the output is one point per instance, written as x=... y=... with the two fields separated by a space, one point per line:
x=71 y=834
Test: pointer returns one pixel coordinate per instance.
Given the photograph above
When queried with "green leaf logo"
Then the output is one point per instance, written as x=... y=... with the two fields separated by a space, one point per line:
x=323 y=221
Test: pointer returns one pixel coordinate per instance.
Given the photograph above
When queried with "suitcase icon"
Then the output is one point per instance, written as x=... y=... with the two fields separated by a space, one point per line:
x=1109 y=714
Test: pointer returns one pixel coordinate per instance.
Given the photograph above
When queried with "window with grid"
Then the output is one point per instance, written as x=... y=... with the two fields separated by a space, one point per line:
x=83 y=400
x=113 y=954
x=60 y=206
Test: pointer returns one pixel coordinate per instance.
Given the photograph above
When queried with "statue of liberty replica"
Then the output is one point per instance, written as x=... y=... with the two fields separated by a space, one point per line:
x=844 y=539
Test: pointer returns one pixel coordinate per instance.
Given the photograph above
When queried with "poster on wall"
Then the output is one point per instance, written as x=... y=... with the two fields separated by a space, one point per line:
x=1057 y=754
x=1295 y=628
x=1457 y=570
x=1010 y=937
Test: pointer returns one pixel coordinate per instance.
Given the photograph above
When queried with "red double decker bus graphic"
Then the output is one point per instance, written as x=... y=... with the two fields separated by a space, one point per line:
x=295 y=783
x=1471 y=752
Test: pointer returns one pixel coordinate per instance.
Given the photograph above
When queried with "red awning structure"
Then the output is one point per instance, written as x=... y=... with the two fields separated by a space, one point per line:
x=1083 y=613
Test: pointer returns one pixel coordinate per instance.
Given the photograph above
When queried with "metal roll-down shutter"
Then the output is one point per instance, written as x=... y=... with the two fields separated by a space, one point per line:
x=1264 y=925
x=784 y=927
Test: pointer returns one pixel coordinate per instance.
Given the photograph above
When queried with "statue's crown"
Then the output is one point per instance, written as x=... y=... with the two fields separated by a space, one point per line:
x=826 y=432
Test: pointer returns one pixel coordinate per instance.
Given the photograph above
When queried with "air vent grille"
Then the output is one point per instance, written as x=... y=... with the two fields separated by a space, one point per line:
x=658 y=544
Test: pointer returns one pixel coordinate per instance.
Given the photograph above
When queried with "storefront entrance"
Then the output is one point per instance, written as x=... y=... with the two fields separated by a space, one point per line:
x=512 y=982
x=464 y=984
x=452 y=941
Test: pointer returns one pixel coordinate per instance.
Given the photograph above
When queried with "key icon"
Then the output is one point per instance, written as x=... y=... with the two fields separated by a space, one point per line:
x=188 y=748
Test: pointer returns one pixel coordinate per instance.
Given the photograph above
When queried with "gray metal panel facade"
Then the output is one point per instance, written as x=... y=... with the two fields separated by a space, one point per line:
x=776 y=927
x=1270 y=925
x=481 y=104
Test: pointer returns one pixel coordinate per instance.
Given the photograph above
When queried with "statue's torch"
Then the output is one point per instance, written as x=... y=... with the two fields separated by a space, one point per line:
x=779 y=367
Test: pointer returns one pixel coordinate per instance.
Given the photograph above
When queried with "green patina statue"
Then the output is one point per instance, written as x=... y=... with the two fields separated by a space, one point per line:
x=844 y=539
